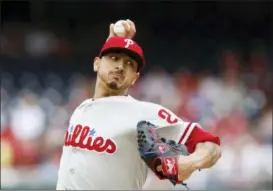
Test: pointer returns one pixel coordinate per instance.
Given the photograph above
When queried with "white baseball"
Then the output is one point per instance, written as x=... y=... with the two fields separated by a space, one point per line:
x=119 y=29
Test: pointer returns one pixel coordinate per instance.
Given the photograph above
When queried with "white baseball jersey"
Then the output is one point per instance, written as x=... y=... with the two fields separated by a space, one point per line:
x=100 y=149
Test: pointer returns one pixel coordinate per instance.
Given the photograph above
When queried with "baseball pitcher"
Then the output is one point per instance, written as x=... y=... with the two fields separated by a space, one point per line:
x=113 y=139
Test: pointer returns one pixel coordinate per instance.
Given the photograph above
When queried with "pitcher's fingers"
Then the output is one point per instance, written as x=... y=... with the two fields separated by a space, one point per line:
x=132 y=32
x=127 y=28
x=111 y=28
x=111 y=31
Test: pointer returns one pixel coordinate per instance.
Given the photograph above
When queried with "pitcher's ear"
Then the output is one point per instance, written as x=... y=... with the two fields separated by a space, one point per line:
x=135 y=78
x=96 y=64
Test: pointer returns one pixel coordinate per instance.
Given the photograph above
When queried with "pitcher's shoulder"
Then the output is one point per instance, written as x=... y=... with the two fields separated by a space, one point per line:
x=85 y=102
x=149 y=105
x=157 y=112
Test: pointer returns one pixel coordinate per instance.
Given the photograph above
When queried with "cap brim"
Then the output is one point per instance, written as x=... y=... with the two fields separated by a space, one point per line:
x=126 y=51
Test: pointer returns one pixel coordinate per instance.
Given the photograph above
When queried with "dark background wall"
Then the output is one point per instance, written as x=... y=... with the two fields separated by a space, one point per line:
x=172 y=34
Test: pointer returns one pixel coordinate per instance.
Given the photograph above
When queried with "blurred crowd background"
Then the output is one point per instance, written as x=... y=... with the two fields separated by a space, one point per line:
x=207 y=62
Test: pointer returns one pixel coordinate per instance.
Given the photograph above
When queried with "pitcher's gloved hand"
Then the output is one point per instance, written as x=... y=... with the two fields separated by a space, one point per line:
x=160 y=155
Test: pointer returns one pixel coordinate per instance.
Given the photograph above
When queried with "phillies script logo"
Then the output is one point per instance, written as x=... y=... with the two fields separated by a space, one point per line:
x=162 y=113
x=86 y=140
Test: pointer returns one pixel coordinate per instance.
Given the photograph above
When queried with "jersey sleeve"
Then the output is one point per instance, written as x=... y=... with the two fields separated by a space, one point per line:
x=172 y=127
x=193 y=134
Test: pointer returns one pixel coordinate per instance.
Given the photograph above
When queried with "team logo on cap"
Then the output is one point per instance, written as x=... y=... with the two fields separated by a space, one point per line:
x=128 y=42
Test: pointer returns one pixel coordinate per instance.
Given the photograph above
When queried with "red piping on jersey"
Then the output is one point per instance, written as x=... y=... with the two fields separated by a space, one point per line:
x=198 y=135
x=184 y=134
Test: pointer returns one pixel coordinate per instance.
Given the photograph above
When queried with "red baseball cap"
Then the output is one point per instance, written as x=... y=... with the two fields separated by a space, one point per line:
x=124 y=45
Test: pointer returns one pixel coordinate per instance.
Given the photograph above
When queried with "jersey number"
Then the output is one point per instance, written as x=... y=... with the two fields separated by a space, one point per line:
x=162 y=113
